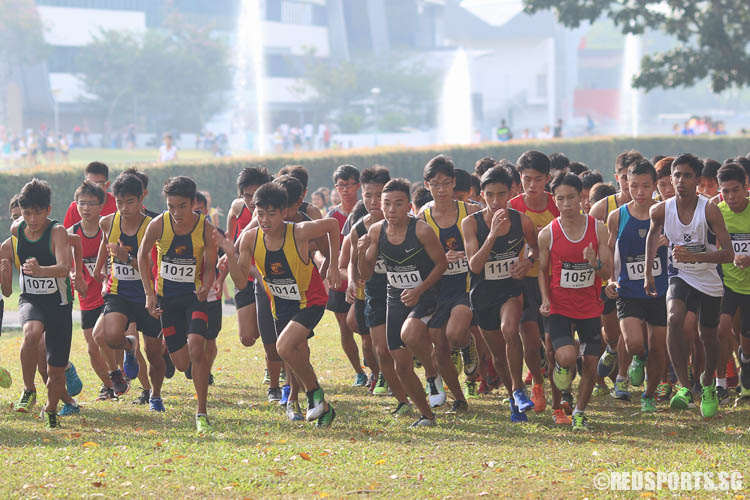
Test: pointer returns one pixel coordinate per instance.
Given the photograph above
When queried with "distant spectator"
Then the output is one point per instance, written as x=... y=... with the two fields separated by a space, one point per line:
x=503 y=132
x=167 y=151
x=318 y=199
x=558 y=132
x=545 y=133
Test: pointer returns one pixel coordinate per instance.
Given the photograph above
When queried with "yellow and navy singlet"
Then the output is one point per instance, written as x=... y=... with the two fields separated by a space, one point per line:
x=53 y=291
x=124 y=279
x=455 y=279
x=291 y=283
x=179 y=259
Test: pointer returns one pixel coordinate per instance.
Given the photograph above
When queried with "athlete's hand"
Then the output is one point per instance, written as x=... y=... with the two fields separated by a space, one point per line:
x=118 y=251
x=4 y=266
x=351 y=292
x=649 y=286
x=222 y=263
x=454 y=256
x=363 y=243
x=410 y=297
x=333 y=276
x=80 y=284
x=519 y=269
x=500 y=223
x=544 y=308
x=611 y=290
x=589 y=254
x=202 y=292
x=99 y=276
x=662 y=241
x=223 y=242
x=741 y=261
x=682 y=255
x=31 y=267
x=255 y=273
x=152 y=306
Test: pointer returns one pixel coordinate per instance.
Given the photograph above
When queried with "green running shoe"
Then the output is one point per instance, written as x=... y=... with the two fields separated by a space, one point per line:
x=744 y=392
x=636 y=371
x=5 y=378
x=663 y=391
x=709 y=401
x=606 y=364
x=326 y=419
x=600 y=390
x=28 y=398
x=381 y=388
x=202 y=425
x=682 y=399
x=647 y=404
x=580 y=422
x=457 y=361
x=50 y=420
x=470 y=389
x=470 y=357
x=401 y=409
x=621 y=391
x=562 y=377
x=316 y=405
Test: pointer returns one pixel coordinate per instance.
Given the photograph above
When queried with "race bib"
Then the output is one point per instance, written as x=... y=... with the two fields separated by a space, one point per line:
x=288 y=292
x=636 y=267
x=457 y=267
x=380 y=267
x=693 y=266
x=576 y=275
x=741 y=243
x=180 y=273
x=37 y=286
x=125 y=272
x=499 y=269
x=404 y=280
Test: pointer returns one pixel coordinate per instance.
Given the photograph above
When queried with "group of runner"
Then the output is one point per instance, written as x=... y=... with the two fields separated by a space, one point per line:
x=537 y=262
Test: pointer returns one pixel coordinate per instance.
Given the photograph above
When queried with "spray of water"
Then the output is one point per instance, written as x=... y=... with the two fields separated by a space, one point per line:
x=629 y=96
x=455 y=102
x=250 y=62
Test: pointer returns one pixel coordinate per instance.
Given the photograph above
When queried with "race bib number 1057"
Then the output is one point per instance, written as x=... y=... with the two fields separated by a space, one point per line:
x=576 y=275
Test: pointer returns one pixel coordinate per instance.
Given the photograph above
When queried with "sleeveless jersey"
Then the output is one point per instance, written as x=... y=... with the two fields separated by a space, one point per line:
x=540 y=219
x=575 y=288
x=212 y=295
x=291 y=284
x=630 y=258
x=407 y=264
x=344 y=227
x=377 y=285
x=124 y=279
x=455 y=279
x=242 y=221
x=53 y=291
x=493 y=284
x=738 y=225
x=179 y=259
x=695 y=237
x=89 y=252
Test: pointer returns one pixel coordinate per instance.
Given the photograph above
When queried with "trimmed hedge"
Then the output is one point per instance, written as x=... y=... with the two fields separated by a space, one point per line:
x=219 y=176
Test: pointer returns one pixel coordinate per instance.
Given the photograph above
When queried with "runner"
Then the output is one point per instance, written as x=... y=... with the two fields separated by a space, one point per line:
x=6 y=277
x=186 y=262
x=414 y=267
x=573 y=260
x=98 y=173
x=300 y=173
x=693 y=275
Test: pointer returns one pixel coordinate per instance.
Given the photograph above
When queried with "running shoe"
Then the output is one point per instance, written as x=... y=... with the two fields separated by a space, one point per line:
x=423 y=421
x=647 y=404
x=600 y=390
x=663 y=391
x=73 y=383
x=470 y=357
x=202 y=425
x=744 y=393
x=50 y=420
x=360 y=380
x=562 y=377
x=436 y=391
x=293 y=412
x=522 y=401
x=105 y=393
x=722 y=394
x=282 y=376
x=470 y=389
x=210 y=379
x=326 y=419
x=5 y=379
x=143 y=398
x=744 y=373
x=156 y=404
x=709 y=401
x=69 y=409
x=130 y=362
x=560 y=417
x=266 y=378
x=515 y=415
x=372 y=382
x=119 y=385
x=28 y=398
x=316 y=404
x=285 y=391
x=168 y=363
x=457 y=361
x=580 y=422
x=637 y=371
x=682 y=399
x=381 y=387
x=621 y=391
x=537 y=397
x=458 y=406
x=401 y=409
x=274 y=394
x=606 y=364
x=567 y=402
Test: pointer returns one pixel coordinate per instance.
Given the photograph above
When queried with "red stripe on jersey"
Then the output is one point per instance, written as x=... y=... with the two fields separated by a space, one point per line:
x=89 y=251
x=169 y=331
x=200 y=315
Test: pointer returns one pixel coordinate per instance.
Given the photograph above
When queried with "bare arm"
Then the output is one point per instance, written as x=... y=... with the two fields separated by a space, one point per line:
x=476 y=256
x=613 y=224
x=63 y=257
x=153 y=231
x=434 y=249
x=367 y=249
x=313 y=212
x=543 y=278
x=656 y=214
x=603 y=255
x=239 y=261
x=210 y=252
x=725 y=253
x=312 y=230
x=6 y=267
x=105 y=223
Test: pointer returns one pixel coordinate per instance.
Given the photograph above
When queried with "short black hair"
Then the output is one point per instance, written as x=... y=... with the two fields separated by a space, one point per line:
x=180 y=186
x=127 y=184
x=201 y=198
x=732 y=172
x=97 y=168
x=744 y=163
x=421 y=195
x=590 y=178
x=292 y=185
x=35 y=194
x=298 y=172
x=690 y=160
x=601 y=191
x=534 y=160
x=625 y=159
x=566 y=179
x=710 y=168
x=577 y=168
x=252 y=176
x=476 y=183
x=497 y=175
x=558 y=161
x=271 y=195
x=463 y=180
x=440 y=164
x=398 y=184
x=375 y=175
x=141 y=175
x=642 y=167
x=484 y=164
x=346 y=172
x=91 y=189
x=13 y=203
x=512 y=171
x=655 y=159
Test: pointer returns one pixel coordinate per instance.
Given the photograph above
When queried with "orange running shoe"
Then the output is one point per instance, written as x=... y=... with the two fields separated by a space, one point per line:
x=537 y=397
x=560 y=417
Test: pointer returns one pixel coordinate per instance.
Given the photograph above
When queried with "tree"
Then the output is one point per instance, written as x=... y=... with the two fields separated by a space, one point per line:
x=713 y=37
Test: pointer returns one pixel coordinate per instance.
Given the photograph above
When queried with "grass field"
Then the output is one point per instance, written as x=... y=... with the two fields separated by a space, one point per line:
x=117 y=449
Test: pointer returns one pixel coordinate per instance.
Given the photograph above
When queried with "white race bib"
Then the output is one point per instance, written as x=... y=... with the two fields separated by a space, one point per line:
x=576 y=275
x=404 y=280
x=499 y=269
x=457 y=267
x=180 y=273
x=741 y=243
x=37 y=286
x=692 y=266
x=125 y=272
x=637 y=268
x=288 y=292
x=380 y=267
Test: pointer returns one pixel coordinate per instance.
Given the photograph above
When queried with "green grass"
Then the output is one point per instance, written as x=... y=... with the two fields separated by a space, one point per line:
x=118 y=449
